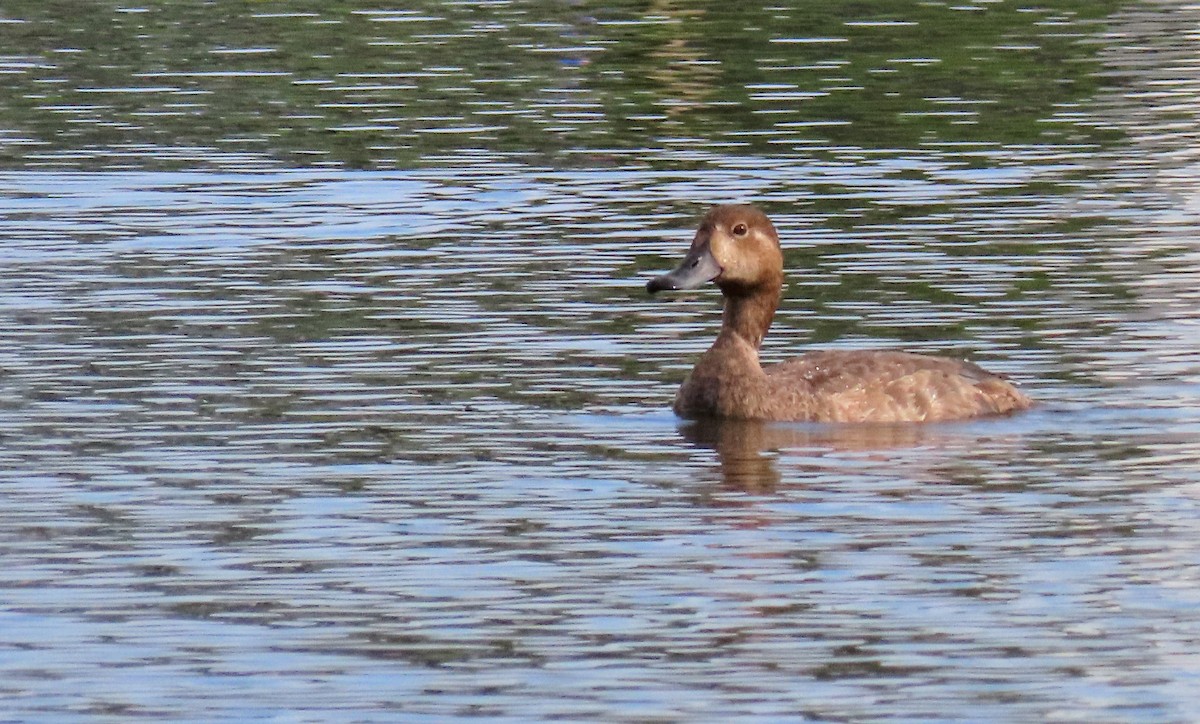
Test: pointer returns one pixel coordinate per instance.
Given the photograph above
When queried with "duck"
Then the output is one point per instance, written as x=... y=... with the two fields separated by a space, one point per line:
x=737 y=248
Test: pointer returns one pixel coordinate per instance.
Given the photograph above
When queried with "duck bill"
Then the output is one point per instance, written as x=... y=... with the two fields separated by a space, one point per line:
x=698 y=267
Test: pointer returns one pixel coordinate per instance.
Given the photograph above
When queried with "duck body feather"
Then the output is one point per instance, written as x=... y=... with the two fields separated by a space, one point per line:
x=845 y=386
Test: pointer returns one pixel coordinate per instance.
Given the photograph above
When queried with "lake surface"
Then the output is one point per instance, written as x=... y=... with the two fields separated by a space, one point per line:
x=330 y=389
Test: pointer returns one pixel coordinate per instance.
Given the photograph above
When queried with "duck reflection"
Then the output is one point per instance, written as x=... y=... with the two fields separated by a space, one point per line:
x=747 y=449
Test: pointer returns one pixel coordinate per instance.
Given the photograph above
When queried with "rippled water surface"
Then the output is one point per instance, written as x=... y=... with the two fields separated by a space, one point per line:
x=330 y=389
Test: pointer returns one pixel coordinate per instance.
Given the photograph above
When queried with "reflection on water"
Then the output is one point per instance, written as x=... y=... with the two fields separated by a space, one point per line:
x=747 y=450
x=331 y=389
x=582 y=82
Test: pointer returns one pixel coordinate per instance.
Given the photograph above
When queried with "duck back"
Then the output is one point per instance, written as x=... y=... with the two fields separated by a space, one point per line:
x=886 y=386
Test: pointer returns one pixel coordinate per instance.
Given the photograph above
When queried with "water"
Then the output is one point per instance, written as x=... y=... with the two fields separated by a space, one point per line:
x=331 y=390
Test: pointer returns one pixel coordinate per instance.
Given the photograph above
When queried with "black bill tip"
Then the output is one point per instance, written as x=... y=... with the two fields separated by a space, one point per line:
x=660 y=284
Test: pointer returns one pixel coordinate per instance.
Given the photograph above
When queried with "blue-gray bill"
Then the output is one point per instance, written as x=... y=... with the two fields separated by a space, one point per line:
x=698 y=267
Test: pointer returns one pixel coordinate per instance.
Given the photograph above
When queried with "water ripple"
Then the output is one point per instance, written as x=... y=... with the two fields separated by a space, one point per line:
x=331 y=388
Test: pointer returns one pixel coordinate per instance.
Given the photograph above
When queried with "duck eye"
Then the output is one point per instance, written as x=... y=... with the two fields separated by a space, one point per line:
x=739 y=230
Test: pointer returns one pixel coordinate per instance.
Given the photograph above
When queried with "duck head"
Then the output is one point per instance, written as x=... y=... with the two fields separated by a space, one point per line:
x=736 y=247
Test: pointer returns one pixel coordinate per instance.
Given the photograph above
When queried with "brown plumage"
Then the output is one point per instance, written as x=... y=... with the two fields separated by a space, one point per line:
x=737 y=247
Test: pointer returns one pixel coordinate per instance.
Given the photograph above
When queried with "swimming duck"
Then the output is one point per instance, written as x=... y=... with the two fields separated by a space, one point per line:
x=738 y=248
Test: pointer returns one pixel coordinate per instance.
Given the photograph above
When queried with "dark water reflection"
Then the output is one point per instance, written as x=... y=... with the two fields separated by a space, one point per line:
x=362 y=84
x=330 y=390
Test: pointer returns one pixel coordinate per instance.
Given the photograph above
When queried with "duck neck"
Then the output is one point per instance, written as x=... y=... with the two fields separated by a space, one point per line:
x=748 y=312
